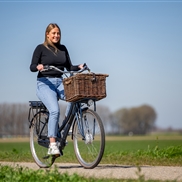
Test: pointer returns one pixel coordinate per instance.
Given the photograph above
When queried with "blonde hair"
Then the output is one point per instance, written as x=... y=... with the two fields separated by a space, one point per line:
x=47 y=42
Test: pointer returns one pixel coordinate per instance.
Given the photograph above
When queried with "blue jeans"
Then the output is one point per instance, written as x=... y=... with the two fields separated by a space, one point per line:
x=49 y=90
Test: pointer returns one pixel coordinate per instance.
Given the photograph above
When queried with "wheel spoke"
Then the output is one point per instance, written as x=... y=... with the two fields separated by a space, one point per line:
x=39 y=142
x=89 y=150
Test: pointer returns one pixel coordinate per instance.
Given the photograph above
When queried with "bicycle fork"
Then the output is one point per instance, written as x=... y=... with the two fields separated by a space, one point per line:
x=84 y=129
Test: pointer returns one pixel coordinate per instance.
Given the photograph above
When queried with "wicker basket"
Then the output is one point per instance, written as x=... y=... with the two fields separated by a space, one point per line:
x=85 y=85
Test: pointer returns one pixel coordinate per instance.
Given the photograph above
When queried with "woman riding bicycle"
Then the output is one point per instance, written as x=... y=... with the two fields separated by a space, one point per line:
x=50 y=82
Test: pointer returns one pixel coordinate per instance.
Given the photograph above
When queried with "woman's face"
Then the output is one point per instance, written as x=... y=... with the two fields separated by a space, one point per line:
x=54 y=35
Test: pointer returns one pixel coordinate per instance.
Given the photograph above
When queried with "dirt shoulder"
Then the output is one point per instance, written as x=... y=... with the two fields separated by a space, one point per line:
x=113 y=171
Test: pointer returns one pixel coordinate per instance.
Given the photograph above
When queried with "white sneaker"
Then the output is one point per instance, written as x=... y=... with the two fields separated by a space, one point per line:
x=53 y=149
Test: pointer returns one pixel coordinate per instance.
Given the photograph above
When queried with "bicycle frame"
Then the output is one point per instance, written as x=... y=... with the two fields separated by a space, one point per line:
x=74 y=115
x=88 y=131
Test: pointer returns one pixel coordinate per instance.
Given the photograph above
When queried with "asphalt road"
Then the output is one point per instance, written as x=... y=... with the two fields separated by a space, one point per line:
x=113 y=171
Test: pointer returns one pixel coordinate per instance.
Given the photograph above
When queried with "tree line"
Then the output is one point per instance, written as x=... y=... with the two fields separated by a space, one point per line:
x=136 y=120
x=13 y=119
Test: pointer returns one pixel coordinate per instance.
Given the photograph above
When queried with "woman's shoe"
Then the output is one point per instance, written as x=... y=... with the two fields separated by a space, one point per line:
x=53 y=149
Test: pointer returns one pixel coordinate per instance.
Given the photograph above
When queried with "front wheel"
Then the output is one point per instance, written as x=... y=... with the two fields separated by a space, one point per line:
x=39 y=141
x=89 y=139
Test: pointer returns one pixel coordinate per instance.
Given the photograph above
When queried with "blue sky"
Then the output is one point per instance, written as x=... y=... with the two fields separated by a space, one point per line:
x=138 y=43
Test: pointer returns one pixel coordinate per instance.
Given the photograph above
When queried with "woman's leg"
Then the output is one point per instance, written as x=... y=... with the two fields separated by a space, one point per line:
x=46 y=92
x=61 y=95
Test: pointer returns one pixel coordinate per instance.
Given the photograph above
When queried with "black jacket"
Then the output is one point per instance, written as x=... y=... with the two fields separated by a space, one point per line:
x=45 y=56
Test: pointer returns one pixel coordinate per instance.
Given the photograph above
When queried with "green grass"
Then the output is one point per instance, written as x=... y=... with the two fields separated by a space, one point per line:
x=135 y=151
x=20 y=174
x=139 y=150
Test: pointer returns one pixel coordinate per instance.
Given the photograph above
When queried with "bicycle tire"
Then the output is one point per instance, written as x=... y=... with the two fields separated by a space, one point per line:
x=89 y=139
x=38 y=138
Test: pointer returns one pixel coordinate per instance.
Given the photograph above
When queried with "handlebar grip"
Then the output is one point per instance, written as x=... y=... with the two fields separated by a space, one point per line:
x=86 y=67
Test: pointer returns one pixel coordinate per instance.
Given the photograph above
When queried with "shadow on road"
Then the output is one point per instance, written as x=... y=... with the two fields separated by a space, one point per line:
x=100 y=166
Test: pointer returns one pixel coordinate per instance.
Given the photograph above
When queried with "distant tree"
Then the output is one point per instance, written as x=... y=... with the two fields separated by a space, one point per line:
x=105 y=114
x=121 y=114
x=138 y=120
x=147 y=118
x=14 y=119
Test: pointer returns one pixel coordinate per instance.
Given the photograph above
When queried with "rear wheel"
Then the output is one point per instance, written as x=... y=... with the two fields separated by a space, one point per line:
x=39 y=142
x=89 y=139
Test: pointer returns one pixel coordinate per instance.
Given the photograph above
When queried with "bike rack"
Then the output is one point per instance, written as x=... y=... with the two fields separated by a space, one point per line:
x=35 y=107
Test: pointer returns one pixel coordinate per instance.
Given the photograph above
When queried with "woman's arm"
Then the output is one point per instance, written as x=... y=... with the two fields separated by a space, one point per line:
x=35 y=64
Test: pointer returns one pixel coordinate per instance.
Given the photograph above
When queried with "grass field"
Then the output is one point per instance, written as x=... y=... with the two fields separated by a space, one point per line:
x=124 y=150
x=138 y=150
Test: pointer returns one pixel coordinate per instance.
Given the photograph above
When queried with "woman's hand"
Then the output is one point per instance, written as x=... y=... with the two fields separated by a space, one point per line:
x=40 y=67
x=81 y=66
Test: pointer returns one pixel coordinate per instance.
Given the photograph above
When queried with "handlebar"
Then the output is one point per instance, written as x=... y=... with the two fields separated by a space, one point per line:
x=47 y=67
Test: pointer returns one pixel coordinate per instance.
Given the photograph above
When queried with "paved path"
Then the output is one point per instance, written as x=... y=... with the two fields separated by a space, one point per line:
x=113 y=171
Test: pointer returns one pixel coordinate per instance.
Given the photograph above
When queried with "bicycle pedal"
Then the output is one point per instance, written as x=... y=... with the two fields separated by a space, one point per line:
x=57 y=155
x=46 y=157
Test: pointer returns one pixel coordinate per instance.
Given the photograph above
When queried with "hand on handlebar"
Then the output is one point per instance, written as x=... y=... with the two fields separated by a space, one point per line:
x=85 y=67
x=40 y=67
x=82 y=67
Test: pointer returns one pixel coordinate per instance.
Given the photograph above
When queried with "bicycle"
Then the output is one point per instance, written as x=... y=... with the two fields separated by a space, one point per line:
x=88 y=133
